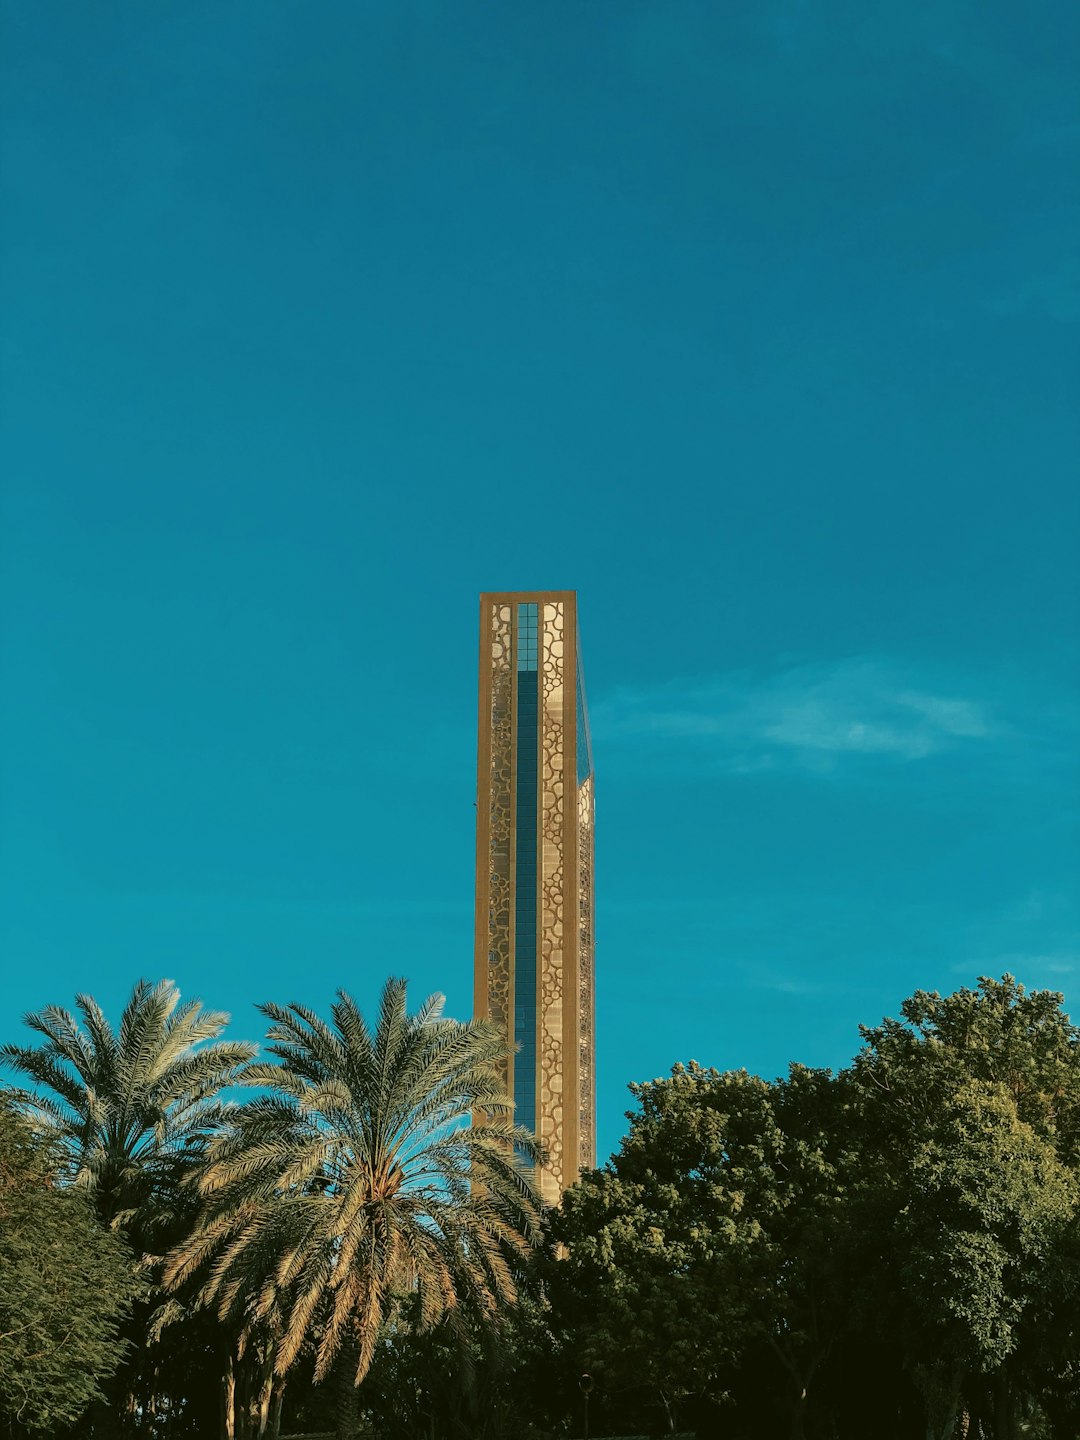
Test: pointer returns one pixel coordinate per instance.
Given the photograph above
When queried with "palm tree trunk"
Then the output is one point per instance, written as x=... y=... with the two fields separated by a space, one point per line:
x=229 y=1425
x=265 y=1393
x=347 y=1397
x=261 y=1406
x=275 y=1409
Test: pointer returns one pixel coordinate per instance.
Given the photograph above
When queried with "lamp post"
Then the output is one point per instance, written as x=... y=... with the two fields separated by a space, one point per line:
x=585 y=1384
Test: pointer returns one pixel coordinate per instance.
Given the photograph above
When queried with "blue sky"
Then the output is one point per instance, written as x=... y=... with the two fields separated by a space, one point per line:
x=757 y=325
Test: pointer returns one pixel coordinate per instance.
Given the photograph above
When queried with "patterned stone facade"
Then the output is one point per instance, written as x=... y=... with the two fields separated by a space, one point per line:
x=553 y=955
x=586 y=1008
x=500 y=783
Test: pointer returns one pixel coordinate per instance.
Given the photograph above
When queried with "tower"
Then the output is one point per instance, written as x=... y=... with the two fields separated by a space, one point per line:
x=533 y=966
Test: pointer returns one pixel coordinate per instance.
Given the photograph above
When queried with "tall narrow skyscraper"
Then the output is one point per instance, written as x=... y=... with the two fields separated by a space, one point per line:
x=534 y=870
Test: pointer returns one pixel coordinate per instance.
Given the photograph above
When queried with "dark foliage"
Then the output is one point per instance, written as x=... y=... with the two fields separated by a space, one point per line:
x=893 y=1251
x=65 y=1284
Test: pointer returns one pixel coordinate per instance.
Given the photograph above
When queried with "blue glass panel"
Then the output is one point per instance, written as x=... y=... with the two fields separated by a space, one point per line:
x=584 y=740
x=527 y=637
x=527 y=748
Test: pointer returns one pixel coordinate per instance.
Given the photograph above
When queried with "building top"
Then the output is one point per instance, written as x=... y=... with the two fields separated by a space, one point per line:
x=528 y=596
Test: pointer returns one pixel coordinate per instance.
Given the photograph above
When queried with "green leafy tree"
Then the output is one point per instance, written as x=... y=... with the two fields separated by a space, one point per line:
x=449 y=1382
x=716 y=1235
x=972 y=1105
x=999 y=1033
x=65 y=1283
x=891 y=1251
x=356 y=1178
x=981 y=1208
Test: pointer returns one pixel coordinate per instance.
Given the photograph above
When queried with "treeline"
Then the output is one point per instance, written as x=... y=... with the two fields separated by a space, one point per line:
x=259 y=1248
x=892 y=1251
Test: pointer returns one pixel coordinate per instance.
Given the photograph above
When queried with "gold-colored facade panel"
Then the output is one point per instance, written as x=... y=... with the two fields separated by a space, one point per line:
x=552 y=893
x=586 y=980
x=500 y=790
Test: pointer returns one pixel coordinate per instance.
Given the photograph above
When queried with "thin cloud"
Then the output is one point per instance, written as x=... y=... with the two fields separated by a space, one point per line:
x=1058 y=962
x=814 y=715
x=953 y=717
x=1054 y=295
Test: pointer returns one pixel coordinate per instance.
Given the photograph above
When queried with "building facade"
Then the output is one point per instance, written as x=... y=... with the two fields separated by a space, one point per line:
x=533 y=969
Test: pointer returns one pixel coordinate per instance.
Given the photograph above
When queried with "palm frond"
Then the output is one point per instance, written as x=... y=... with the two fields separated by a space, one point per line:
x=356 y=1174
x=123 y=1103
x=66 y=1040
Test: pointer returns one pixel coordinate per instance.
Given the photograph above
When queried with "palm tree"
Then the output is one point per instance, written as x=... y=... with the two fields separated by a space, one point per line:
x=129 y=1110
x=355 y=1179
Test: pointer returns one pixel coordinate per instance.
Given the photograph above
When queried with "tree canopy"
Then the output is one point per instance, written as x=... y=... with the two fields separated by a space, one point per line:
x=65 y=1285
x=902 y=1235
x=355 y=1178
x=892 y=1250
x=127 y=1108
